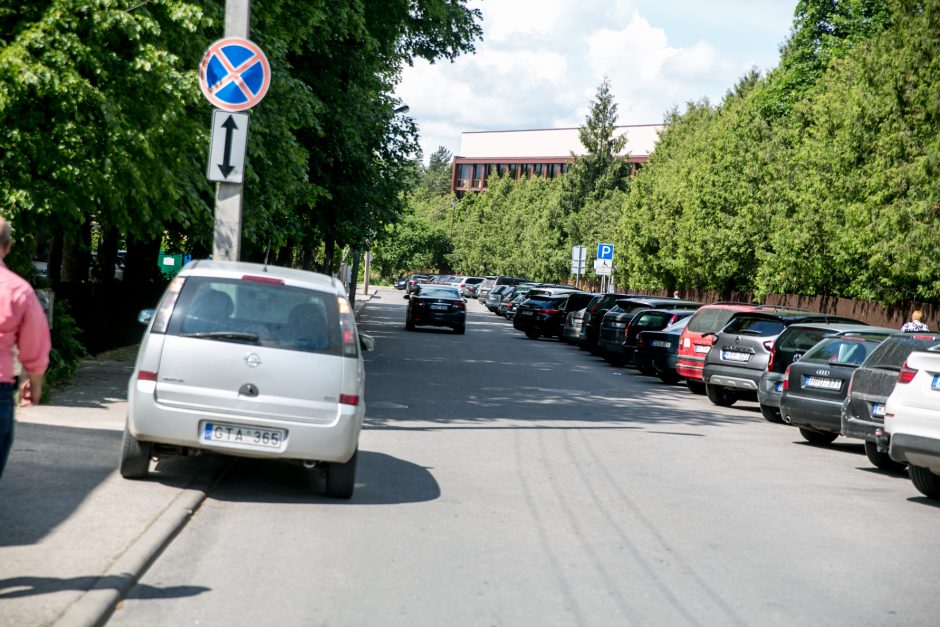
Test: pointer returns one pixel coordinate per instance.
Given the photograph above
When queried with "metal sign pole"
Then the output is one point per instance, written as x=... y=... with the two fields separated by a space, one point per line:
x=227 y=240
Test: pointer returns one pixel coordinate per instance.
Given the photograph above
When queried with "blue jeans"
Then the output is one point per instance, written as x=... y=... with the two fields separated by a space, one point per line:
x=6 y=422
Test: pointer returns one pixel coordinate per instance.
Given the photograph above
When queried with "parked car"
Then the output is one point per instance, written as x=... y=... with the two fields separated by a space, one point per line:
x=485 y=286
x=468 y=287
x=912 y=420
x=788 y=348
x=541 y=315
x=513 y=303
x=613 y=329
x=649 y=320
x=698 y=337
x=515 y=293
x=415 y=280
x=249 y=360
x=741 y=350
x=591 y=321
x=496 y=296
x=815 y=386
x=656 y=351
x=401 y=283
x=574 y=321
x=863 y=410
x=436 y=305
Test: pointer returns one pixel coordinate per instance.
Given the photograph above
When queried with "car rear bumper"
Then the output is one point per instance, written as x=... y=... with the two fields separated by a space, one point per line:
x=439 y=319
x=823 y=415
x=729 y=377
x=915 y=450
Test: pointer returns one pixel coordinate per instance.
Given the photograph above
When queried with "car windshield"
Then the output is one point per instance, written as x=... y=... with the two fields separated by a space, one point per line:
x=841 y=351
x=257 y=313
x=438 y=291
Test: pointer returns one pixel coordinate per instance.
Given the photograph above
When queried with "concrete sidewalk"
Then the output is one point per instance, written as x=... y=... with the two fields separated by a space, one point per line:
x=74 y=535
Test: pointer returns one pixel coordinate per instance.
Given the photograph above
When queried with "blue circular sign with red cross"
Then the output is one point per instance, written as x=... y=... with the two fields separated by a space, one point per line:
x=234 y=74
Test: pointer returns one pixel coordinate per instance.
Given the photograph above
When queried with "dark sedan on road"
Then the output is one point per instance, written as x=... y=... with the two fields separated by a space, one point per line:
x=438 y=306
x=539 y=316
x=656 y=352
x=815 y=386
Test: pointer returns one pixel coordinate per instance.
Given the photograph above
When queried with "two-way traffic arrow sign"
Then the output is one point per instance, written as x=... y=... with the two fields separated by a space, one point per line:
x=227 y=148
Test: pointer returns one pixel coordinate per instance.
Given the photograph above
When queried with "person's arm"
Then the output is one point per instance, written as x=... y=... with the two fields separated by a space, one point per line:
x=34 y=343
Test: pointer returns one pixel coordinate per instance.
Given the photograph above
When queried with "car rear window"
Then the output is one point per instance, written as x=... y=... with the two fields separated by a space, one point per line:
x=801 y=339
x=709 y=320
x=257 y=313
x=841 y=351
x=651 y=318
x=752 y=325
x=891 y=353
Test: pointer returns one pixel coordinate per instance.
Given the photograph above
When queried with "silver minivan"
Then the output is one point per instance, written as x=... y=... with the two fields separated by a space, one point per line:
x=252 y=361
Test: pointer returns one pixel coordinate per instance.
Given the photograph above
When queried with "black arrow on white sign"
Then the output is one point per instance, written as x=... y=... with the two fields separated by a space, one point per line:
x=226 y=166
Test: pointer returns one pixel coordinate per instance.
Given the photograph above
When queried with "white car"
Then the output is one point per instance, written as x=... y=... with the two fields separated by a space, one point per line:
x=252 y=361
x=912 y=420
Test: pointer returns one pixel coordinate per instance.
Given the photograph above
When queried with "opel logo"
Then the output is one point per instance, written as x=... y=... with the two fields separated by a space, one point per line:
x=253 y=360
x=823 y=373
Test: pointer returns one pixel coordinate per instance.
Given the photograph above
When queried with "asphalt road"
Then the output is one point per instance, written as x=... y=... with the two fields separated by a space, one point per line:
x=505 y=481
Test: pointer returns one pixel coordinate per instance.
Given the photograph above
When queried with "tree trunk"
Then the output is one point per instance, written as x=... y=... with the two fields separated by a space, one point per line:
x=107 y=255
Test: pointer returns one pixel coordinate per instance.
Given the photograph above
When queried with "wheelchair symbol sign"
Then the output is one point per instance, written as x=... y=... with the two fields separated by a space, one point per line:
x=234 y=74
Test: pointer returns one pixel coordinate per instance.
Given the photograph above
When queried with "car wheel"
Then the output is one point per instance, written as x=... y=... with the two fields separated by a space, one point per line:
x=135 y=457
x=532 y=334
x=882 y=461
x=723 y=397
x=460 y=330
x=341 y=478
x=409 y=325
x=668 y=377
x=695 y=386
x=771 y=414
x=926 y=482
x=817 y=437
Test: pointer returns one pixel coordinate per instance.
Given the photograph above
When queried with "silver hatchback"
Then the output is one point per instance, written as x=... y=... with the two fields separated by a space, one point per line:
x=251 y=361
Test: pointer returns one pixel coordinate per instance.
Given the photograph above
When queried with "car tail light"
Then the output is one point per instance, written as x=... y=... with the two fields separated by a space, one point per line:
x=349 y=399
x=347 y=324
x=460 y=305
x=907 y=374
x=549 y=312
x=769 y=345
x=146 y=375
x=263 y=279
x=773 y=357
x=786 y=379
x=640 y=343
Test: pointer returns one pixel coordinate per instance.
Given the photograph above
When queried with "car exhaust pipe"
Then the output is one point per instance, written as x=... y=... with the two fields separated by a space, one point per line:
x=308 y=464
x=786 y=418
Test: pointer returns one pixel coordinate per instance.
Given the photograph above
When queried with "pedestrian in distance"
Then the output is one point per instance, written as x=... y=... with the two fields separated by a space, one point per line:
x=915 y=324
x=675 y=295
x=23 y=325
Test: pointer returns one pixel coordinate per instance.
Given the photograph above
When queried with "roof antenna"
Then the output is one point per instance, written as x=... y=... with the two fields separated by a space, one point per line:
x=266 y=253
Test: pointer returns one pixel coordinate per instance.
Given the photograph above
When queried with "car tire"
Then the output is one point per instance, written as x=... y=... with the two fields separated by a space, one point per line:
x=817 y=437
x=695 y=386
x=670 y=378
x=771 y=414
x=341 y=478
x=882 y=461
x=532 y=334
x=135 y=457
x=409 y=325
x=926 y=482
x=723 y=397
x=460 y=330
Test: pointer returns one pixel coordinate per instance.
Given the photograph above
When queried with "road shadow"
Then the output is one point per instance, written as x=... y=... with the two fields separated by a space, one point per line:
x=380 y=480
x=18 y=587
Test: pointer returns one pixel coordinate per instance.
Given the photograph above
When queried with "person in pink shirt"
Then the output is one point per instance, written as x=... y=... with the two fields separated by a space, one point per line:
x=23 y=325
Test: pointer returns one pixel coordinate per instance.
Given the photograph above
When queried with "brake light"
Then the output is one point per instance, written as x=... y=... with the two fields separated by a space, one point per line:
x=349 y=399
x=640 y=342
x=773 y=356
x=263 y=279
x=460 y=305
x=347 y=325
x=786 y=379
x=146 y=375
x=549 y=312
x=907 y=374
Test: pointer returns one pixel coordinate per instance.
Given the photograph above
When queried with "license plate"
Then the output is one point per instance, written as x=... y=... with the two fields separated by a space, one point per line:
x=440 y=307
x=735 y=356
x=702 y=349
x=821 y=383
x=525 y=313
x=242 y=436
x=878 y=409
x=661 y=344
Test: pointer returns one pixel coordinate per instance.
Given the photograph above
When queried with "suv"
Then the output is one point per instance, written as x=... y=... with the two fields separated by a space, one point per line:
x=912 y=420
x=863 y=411
x=697 y=339
x=741 y=350
x=541 y=315
x=591 y=321
x=613 y=329
x=786 y=349
x=469 y=286
x=249 y=360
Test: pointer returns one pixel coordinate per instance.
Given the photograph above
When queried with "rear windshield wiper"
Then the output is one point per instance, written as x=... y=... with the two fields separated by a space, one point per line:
x=225 y=335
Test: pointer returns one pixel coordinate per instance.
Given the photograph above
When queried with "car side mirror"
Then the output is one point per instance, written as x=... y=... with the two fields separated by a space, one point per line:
x=145 y=316
x=406 y=296
x=366 y=342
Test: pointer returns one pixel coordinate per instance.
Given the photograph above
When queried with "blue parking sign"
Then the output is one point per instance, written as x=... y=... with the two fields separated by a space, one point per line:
x=605 y=251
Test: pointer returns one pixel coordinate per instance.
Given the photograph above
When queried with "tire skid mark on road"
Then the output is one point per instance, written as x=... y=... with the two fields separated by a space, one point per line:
x=610 y=580
x=731 y=617
x=539 y=522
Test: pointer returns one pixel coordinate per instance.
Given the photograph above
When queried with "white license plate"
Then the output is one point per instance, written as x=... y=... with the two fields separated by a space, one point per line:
x=735 y=356
x=878 y=409
x=242 y=435
x=440 y=307
x=702 y=349
x=661 y=343
x=821 y=383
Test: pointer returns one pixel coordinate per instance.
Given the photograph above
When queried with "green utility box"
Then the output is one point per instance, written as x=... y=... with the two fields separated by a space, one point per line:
x=170 y=265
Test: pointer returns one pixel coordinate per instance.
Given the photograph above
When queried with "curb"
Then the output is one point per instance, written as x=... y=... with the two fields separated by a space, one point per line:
x=96 y=605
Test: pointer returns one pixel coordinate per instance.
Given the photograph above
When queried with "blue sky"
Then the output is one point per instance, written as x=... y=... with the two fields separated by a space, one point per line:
x=540 y=62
